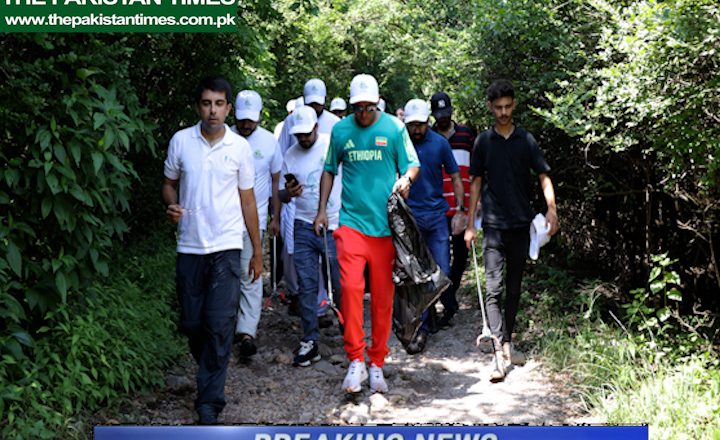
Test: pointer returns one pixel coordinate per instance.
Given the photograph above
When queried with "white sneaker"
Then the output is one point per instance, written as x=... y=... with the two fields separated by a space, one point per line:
x=377 y=380
x=512 y=355
x=356 y=375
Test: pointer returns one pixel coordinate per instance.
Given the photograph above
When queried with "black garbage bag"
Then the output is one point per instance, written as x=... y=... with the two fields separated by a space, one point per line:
x=419 y=282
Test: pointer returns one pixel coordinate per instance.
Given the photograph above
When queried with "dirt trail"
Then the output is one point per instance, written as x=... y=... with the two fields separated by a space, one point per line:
x=448 y=383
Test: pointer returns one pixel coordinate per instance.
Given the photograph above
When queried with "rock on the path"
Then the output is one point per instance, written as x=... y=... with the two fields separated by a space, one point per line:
x=305 y=418
x=402 y=392
x=378 y=401
x=325 y=351
x=355 y=414
x=283 y=358
x=178 y=383
x=337 y=359
x=390 y=371
x=327 y=368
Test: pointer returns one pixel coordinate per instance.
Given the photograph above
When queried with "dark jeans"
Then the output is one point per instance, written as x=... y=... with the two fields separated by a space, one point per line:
x=309 y=248
x=434 y=230
x=504 y=249
x=208 y=289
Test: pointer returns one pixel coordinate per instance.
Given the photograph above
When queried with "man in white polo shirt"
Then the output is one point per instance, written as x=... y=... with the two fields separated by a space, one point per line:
x=268 y=161
x=304 y=163
x=213 y=169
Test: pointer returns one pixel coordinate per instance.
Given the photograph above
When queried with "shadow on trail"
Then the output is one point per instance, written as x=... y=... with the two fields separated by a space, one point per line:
x=448 y=383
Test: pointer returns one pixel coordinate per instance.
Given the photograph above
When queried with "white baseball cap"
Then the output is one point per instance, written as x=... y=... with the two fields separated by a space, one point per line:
x=290 y=106
x=299 y=102
x=248 y=105
x=303 y=120
x=364 y=88
x=314 y=91
x=338 y=104
x=416 y=110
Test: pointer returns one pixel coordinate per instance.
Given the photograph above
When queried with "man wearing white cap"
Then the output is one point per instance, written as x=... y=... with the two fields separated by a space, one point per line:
x=289 y=107
x=500 y=166
x=426 y=199
x=302 y=168
x=338 y=107
x=268 y=161
x=314 y=93
x=372 y=147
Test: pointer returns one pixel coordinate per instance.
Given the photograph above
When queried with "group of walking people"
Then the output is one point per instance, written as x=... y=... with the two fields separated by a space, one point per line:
x=326 y=177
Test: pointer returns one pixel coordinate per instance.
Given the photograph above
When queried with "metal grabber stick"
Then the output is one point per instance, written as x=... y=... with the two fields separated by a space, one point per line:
x=275 y=293
x=486 y=334
x=330 y=293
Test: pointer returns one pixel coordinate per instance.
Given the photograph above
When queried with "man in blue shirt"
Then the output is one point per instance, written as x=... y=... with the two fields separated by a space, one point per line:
x=426 y=198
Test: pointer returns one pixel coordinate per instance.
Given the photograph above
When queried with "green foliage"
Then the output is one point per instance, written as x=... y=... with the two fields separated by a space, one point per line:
x=70 y=119
x=664 y=378
x=649 y=308
x=650 y=84
x=117 y=340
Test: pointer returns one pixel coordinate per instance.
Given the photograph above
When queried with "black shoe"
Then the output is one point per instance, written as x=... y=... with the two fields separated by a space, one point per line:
x=306 y=354
x=446 y=320
x=207 y=416
x=247 y=345
x=418 y=344
x=325 y=321
x=294 y=306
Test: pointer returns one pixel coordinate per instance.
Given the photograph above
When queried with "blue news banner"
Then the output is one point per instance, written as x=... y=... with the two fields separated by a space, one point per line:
x=371 y=432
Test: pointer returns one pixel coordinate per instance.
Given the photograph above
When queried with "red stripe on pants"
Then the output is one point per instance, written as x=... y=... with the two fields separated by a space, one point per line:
x=354 y=250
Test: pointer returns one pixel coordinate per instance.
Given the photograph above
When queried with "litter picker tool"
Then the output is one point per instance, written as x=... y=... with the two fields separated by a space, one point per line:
x=275 y=292
x=486 y=334
x=330 y=293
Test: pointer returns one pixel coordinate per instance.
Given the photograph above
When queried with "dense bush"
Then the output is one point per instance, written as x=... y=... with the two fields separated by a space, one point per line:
x=644 y=113
x=70 y=118
x=117 y=339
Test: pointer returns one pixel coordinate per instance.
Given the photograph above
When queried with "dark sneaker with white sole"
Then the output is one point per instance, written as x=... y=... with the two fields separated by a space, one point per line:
x=307 y=353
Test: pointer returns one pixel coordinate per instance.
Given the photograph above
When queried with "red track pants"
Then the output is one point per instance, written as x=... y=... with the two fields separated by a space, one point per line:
x=354 y=250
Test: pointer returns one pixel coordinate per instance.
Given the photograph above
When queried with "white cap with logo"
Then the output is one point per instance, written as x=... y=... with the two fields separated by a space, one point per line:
x=248 y=105
x=364 y=88
x=338 y=104
x=303 y=120
x=314 y=91
x=416 y=110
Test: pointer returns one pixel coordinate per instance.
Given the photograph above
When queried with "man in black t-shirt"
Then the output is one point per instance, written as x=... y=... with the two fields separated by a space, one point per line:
x=501 y=162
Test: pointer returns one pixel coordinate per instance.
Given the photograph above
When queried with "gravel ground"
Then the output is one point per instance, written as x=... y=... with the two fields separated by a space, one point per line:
x=448 y=383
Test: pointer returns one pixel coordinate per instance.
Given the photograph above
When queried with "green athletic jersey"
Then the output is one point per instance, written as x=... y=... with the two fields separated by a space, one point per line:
x=371 y=159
